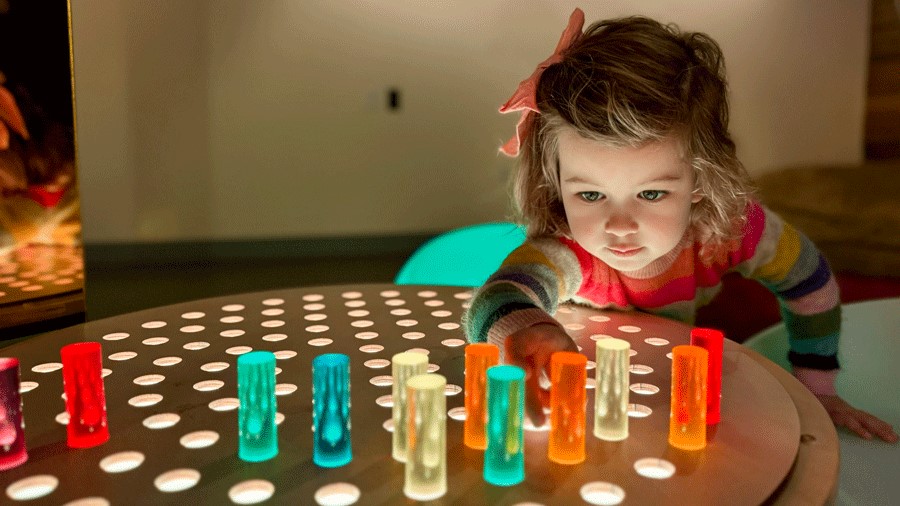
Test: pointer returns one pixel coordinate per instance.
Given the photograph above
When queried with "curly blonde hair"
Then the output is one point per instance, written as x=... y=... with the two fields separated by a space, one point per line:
x=627 y=82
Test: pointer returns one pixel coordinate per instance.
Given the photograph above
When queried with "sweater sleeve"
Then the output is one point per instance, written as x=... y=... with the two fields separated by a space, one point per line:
x=525 y=290
x=787 y=263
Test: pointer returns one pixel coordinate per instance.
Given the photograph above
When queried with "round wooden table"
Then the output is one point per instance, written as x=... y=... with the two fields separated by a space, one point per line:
x=171 y=398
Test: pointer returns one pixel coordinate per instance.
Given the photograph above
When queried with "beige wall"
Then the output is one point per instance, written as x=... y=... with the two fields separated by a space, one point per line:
x=225 y=119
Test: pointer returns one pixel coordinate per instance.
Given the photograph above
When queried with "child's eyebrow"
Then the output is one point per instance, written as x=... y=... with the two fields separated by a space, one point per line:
x=667 y=178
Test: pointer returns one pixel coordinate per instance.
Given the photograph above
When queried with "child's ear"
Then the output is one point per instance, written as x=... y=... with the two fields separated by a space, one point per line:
x=696 y=196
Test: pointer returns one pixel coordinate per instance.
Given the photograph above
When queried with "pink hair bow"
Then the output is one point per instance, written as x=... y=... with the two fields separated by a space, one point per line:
x=524 y=99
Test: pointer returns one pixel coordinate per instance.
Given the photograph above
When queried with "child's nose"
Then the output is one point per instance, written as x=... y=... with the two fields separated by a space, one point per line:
x=620 y=224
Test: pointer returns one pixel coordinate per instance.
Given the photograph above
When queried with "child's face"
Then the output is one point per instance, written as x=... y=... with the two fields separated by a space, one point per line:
x=626 y=206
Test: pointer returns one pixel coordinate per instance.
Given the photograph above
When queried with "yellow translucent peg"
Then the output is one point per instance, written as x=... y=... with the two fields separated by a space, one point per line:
x=426 y=458
x=687 y=418
x=403 y=366
x=611 y=389
x=568 y=400
x=479 y=357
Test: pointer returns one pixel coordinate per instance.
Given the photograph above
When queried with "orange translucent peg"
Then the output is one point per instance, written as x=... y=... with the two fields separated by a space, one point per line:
x=479 y=357
x=568 y=397
x=687 y=418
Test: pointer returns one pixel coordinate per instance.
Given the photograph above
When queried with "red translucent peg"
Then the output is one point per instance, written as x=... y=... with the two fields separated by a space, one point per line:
x=713 y=342
x=85 y=397
x=12 y=428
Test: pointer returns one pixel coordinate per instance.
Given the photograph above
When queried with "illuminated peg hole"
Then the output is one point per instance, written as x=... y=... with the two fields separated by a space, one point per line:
x=27 y=386
x=448 y=326
x=388 y=425
x=450 y=389
x=279 y=417
x=192 y=329
x=432 y=368
x=233 y=307
x=377 y=363
x=357 y=313
x=272 y=312
x=88 y=501
x=640 y=369
x=153 y=325
x=597 y=337
x=225 y=404
x=639 y=411
x=315 y=317
x=453 y=343
x=366 y=335
x=395 y=302
x=630 y=329
x=285 y=354
x=144 y=400
x=32 y=488
x=351 y=295
x=285 y=388
x=337 y=494
x=105 y=372
x=232 y=333
x=441 y=313
x=644 y=388
x=273 y=338
x=199 y=439
x=361 y=324
x=382 y=381
x=407 y=323
x=355 y=303
x=208 y=385
x=161 y=421
x=273 y=302
x=193 y=315
x=632 y=352
x=62 y=418
x=371 y=348
x=656 y=341
x=427 y=294
x=272 y=324
x=423 y=351
x=590 y=365
x=122 y=356
x=155 y=341
x=458 y=414
x=116 y=336
x=251 y=492
x=574 y=326
x=321 y=341
x=48 y=367
x=390 y=294
x=401 y=311
x=601 y=492
x=238 y=350
x=590 y=383
x=657 y=469
x=177 y=480
x=434 y=303
x=231 y=319
x=277 y=371
x=149 y=379
x=669 y=355
x=196 y=345
x=167 y=361
x=214 y=366
x=599 y=318
x=462 y=295
x=313 y=297
x=314 y=307
x=385 y=401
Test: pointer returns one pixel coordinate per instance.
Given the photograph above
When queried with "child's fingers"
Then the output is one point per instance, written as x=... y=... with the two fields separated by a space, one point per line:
x=881 y=428
x=534 y=405
x=849 y=421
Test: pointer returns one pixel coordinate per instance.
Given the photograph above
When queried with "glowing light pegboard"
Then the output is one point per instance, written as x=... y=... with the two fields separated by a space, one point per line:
x=39 y=270
x=171 y=393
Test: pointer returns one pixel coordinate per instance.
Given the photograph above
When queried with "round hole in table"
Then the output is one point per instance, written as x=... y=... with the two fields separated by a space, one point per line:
x=161 y=421
x=658 y=469
x=32 y=487
x=251 y=492
x=603 y=493
x=199 y=439
x=122 y=462
x=337 y=494
x=177 y=480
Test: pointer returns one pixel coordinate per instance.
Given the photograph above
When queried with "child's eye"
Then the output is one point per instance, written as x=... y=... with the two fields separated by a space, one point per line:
x=590 y=196
x=652 y=195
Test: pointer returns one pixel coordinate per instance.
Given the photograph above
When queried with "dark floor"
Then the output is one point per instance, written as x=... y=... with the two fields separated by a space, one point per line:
x=117 y=288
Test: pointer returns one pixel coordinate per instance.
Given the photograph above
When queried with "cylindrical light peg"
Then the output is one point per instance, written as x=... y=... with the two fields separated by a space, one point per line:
x=85 y=396
x=12 y=426
x=257 y=431
x=426 y=462
x=568 y=401
x=611 y=389
x=403 y=366
x=479 y=358
x=713 y=341
x=331 y=410
x=687 y=418
x=504 y=458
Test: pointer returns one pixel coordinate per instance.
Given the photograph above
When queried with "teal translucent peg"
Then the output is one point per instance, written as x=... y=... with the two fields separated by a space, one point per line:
x=331 y=410
x=257 y=432
x=504 y=458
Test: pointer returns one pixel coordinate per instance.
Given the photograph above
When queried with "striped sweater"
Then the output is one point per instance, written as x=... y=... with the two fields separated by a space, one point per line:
x=537 y=276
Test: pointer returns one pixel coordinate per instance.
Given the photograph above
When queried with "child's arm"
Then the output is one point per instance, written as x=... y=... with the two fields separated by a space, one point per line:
x=789 y=264
x=513 y=310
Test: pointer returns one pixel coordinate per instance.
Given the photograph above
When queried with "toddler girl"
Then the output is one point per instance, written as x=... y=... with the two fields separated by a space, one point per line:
x=634 y=199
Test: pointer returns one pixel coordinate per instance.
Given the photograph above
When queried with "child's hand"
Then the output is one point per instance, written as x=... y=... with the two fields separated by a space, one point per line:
x=531 y=348
x=860 y=422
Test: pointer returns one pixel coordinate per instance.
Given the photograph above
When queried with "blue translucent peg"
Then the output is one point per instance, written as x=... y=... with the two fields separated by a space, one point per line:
x=331 y=410
x=257 y=432
x=504 y=458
